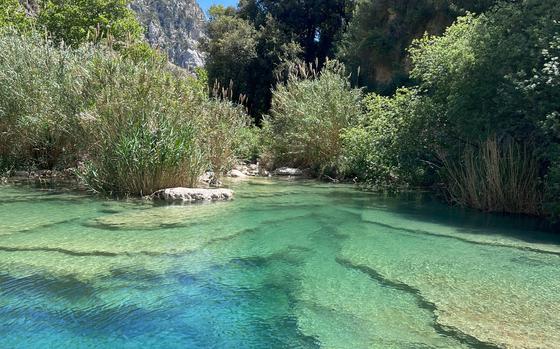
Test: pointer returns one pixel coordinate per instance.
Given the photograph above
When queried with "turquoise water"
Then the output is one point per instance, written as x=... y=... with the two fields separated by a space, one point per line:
x=284 y=265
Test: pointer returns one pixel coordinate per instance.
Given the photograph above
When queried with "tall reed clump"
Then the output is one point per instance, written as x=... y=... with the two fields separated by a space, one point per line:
x=141 y=130
x=495 y=177
x=133 y=124
x=308 y=113
x=222 y=124
x=40 y=95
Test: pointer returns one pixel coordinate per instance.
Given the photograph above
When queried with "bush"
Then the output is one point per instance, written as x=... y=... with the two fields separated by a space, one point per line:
x=12 y=14
x=75 y=22
x=249 y=145
x=40 y=95
x=392 y=145
x=496 y=75
x=307 y=116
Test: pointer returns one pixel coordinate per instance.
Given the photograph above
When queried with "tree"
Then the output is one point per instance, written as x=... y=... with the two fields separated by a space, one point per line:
x=282 y=31
x=240 y=55
x=315 y=25
x=496 y=76
x=231 y=48
x=78 y=21
x=380 y=31
x=12 y=14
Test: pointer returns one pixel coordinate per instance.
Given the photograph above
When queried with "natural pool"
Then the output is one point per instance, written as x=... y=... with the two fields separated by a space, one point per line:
x=284 y=265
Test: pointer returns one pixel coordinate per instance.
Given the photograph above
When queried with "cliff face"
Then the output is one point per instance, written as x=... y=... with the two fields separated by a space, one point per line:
x=174 y=26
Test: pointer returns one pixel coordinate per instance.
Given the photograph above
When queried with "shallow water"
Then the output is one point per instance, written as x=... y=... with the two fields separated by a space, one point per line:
x=284 y=265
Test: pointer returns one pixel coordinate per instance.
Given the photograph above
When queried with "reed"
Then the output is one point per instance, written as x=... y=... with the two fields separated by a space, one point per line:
x=496 y=176
x=307 y=117
x=141 y=132
x=40 y=94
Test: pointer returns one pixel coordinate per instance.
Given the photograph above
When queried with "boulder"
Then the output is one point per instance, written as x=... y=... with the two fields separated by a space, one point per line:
x=237 y=174
x=192 y=195
x=288 y=171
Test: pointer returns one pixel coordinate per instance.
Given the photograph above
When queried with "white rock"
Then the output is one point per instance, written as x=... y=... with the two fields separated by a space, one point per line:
x=192 y=194
x=237 y=174
x=288 y=171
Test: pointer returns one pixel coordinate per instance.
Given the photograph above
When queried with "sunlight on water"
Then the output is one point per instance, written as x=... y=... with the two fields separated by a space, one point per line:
x=284 y=265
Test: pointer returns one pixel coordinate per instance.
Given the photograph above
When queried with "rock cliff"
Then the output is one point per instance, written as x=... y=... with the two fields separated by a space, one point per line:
x=174 y=26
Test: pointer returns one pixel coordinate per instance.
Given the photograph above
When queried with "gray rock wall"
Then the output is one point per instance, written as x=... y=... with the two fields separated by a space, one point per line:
x=174 y=26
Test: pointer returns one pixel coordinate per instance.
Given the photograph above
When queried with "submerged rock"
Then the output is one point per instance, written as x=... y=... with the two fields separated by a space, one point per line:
x=288 y=171
x=192 y=194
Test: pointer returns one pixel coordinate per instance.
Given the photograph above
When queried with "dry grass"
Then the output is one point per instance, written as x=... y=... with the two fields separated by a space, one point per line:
x=495 y=177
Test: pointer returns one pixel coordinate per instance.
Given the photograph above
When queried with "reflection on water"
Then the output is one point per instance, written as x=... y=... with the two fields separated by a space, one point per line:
x=284 y=265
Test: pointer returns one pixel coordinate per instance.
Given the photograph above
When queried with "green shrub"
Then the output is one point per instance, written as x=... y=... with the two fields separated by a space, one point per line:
x=40 y=95
x=392 y=145
x=307 y=116
x=12 y=14
x=249 y=145
x=75 y=22
x=496 y=74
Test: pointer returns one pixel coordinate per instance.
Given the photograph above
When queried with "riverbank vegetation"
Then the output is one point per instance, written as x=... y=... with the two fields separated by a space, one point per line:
x=462 y=97
x=476 y=117
x=121 y=115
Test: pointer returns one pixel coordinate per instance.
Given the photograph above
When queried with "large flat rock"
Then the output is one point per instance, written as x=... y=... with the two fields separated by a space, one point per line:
x=192 y=195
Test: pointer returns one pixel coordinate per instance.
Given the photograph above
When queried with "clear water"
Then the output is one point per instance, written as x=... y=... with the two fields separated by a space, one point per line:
x=284 y=265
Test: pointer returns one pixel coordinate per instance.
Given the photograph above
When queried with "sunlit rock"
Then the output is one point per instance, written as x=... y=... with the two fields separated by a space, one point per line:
x=288 y=171
x=192 y=194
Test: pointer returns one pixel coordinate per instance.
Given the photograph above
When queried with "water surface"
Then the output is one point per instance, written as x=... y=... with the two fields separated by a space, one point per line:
x=284 y=265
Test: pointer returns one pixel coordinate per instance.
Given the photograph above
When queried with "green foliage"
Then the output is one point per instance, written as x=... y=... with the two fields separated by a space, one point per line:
x=12 y=14
x=392 y=144
x=77 y=21
x=40 y=95
x=380 y=31
x=314 y=25
x=474 y=70
x=249 y=145
x=231 y=48
x=240 y=56
x=140 y=51
x=221 y=123
x=150 y=128
x=307 y=116
x=251 y=45
x=496 y=74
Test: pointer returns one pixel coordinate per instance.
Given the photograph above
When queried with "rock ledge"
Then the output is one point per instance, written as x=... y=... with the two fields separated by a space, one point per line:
x=192 y=195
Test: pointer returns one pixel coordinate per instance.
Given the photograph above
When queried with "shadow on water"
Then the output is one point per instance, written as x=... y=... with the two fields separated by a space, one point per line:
x=426 y=207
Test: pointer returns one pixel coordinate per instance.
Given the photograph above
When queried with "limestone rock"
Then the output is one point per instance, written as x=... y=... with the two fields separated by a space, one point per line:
x=288 y=171
x=174 y=26
x=237 y=174
x=192 y=195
